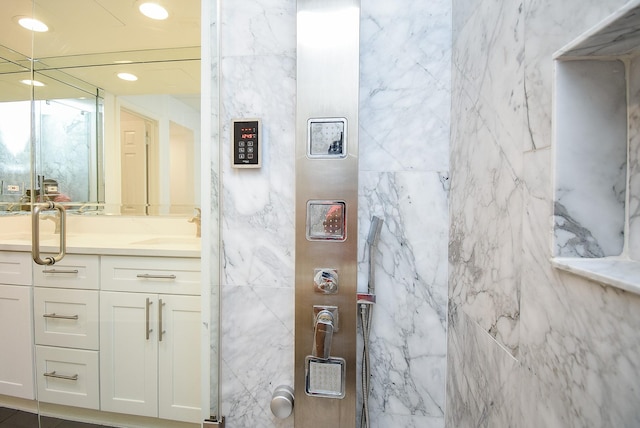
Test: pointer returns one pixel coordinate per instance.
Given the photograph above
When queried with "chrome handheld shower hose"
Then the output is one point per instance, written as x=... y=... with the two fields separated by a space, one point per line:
x=366 y=313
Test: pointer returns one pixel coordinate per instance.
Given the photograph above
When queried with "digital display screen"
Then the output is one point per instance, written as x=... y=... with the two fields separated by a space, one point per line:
x=246 y=144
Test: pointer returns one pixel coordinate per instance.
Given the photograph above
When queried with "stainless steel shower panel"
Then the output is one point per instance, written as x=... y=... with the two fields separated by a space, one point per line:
x=327 y=91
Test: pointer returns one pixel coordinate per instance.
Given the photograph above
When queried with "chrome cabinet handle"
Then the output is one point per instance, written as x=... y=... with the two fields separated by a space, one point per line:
x=54 y=271
x=160 y=330
x=59 y=376
x=150 y=276
x=60 y=317
x=148 y=330
x=35 y=233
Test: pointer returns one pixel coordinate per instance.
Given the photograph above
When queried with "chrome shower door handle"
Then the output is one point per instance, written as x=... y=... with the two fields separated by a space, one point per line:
x=35 y=233
x=323 y=334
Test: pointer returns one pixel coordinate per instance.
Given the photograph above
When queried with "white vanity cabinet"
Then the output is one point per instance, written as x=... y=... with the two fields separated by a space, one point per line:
x=16 y=337
x=66 y=320
x=150 y=337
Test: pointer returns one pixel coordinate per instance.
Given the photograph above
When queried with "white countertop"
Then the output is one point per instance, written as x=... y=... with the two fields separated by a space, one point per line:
x=109 y=244
x=132 y=236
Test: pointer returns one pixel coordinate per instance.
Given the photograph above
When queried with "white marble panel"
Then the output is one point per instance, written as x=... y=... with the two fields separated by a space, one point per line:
x=258 y=222
x=486 y=220
x=257 y=353
x=408 y=339
x=590 y=158
x=404 y=85
x=258 y=27
x=482 y=379
x=616 y=35
x=580 y=345
x=550 y=25
x=633 y=209
x=488 y=62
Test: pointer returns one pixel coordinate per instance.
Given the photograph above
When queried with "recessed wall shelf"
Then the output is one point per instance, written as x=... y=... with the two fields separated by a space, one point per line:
x=597 y=152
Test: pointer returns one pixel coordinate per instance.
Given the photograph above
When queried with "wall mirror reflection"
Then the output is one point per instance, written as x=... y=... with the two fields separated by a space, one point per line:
x=116 y=107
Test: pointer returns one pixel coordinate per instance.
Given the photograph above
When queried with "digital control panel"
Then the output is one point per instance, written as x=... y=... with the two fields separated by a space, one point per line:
x=246 y=144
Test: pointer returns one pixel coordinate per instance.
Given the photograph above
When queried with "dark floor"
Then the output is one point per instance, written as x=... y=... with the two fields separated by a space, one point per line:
x=11 y=418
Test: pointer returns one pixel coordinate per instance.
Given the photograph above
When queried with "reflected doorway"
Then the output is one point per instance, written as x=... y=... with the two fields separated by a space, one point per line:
x=155 y=180
x=138 y=147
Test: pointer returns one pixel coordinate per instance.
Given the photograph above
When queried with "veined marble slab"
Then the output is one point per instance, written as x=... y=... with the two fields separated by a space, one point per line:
x=614 y=271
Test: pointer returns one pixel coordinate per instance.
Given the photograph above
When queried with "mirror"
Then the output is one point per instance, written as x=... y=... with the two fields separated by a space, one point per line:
x=104 y=145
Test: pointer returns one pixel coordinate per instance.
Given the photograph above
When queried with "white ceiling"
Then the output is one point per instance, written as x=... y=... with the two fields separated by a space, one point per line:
x=87 y=37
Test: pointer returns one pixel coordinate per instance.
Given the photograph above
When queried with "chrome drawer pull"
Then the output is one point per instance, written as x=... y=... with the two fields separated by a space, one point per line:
x=149 y=276
x=60 y=271
x=59 y=376
x=61 y=317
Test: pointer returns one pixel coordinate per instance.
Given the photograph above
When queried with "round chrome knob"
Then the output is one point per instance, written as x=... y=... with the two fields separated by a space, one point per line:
x=282 y=402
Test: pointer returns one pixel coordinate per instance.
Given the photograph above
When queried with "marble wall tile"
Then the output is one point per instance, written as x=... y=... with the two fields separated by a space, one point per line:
x=550 y=25
x=408 y=339
x=483 y=242
x=634 y=160
x=486 y=163
x=576 y=350
x=404 y=85
x=250 y=28
x=580 y=345
x=615 y=36
x=488 y=56
x=482 y=379
x=257 y=352
x=257 y=217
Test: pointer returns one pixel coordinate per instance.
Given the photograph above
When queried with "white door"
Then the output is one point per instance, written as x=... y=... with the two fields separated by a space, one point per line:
x=133 y=142
x=179 y=359
x=16 y=337
x=128 y=353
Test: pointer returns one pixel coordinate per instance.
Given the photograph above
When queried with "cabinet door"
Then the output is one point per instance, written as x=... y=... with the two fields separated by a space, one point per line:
x=128 y=353
x=16 y=337
x=179 y=358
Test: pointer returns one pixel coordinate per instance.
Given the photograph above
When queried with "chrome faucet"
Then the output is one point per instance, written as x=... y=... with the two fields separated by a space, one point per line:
x=323 y=334
x=197 y=219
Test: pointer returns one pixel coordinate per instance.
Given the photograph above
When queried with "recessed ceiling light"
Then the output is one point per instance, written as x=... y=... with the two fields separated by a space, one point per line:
x=32 y=24
x=128 y=76
x=153 y=11
x=32 y=82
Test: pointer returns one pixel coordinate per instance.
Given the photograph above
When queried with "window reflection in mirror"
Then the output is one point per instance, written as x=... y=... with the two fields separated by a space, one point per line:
x=77 y=111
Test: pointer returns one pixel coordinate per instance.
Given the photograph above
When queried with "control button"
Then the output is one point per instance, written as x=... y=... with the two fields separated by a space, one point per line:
x=241 y=144
x=249 y=149
x=250 y=156
x=241 y=156
x=250 y=143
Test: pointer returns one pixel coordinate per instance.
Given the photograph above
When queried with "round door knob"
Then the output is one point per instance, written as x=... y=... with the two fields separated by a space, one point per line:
x=282 y=402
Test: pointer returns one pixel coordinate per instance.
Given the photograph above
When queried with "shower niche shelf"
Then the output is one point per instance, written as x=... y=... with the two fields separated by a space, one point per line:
x=597 y=152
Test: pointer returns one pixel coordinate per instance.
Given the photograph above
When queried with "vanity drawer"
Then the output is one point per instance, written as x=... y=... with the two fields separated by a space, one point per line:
x=66 y=318
x=73 y=271
x=150 y=275
x=15 y=268
x=68 y=376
